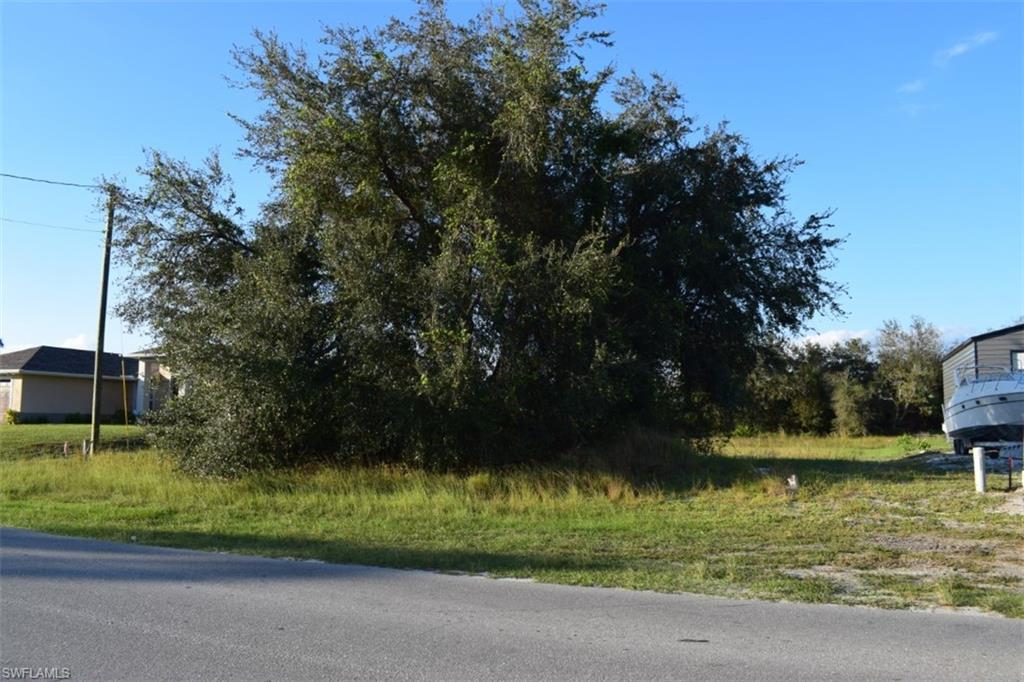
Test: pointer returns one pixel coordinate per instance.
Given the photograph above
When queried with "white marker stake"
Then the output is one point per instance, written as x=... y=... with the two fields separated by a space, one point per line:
x=979 y=469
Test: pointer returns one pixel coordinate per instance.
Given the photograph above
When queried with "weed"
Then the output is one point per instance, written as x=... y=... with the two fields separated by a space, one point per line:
x=866 y=527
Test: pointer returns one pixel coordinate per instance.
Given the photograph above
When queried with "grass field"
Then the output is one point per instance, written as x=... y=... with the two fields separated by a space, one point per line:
x=867 y=526
x=18 y=441
x=862 y=449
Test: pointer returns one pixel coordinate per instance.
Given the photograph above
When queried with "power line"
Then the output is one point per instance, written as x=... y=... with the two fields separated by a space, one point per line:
x=49 y=226
x=49 y=182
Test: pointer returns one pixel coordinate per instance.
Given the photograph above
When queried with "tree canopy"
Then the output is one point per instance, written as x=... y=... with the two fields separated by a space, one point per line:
x=479 y=250
x=910 y=368
x=893 y=385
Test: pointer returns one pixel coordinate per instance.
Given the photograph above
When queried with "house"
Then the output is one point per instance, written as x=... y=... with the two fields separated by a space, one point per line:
x=999 y=348
x=53 y=384
x=155 y=383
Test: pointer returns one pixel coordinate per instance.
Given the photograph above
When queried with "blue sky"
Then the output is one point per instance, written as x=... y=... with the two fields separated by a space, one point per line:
x=908 y=118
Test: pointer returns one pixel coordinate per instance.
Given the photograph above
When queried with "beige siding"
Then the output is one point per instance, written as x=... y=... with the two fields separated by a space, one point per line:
x=996 y=351
x=964 y=356
x=5 y=396
x=155 y=387
x=64 y=395
x=16 y=394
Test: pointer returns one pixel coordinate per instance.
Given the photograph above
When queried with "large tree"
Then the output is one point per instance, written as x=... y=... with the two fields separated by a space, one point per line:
x=810 y=388
x=467 y=258
x=910 y=374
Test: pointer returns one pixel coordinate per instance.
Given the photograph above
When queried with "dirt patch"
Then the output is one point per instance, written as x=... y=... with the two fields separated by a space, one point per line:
x=944 y=461
x=960 y=525
x=889 y=504
x=961 y=610
x=846 y=581
x=931 y=571
x=1013 y=504
x=1007 y=569
x=930 y=543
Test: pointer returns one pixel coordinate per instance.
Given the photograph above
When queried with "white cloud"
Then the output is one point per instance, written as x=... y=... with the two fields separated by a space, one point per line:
x=950 y=334
x=912 y=86
x=954 y=334
x=964 y=46
x=77 y=341
x=942 y=58
x=836 y=336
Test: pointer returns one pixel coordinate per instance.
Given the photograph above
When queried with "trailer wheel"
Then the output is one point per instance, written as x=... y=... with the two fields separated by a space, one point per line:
x=958 y=446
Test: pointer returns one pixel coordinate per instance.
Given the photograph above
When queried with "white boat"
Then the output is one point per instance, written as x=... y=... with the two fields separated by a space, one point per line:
x=987 y=406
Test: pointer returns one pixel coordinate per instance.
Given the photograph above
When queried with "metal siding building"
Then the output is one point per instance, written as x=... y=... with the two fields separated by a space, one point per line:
x=962 y=355
x=999 y=348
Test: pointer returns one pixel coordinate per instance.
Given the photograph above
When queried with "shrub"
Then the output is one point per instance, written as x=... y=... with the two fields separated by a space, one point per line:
x=86 y=418
x=851 y=403
x=642 y=456
x=908 y=443
x=120 y=417
x=744 y=430
x=15 y=417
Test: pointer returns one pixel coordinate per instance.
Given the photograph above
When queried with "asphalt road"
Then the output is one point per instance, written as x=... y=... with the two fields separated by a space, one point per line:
x=108 y=611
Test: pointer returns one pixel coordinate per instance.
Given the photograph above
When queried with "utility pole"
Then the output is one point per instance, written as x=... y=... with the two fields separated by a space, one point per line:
x=97 y=374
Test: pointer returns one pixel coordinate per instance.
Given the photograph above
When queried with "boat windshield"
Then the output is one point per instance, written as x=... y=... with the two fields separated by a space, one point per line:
x=972 y=373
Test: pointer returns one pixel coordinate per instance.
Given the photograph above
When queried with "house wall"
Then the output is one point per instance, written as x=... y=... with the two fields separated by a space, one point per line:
x=16 y=393
x=58 y=396
x=996 y=351
x=6 y=390
x=154 y=386
x=964 y=356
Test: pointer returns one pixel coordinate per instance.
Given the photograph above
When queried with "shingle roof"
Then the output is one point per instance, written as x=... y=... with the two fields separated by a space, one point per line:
x=65 y=361
x=146 y=353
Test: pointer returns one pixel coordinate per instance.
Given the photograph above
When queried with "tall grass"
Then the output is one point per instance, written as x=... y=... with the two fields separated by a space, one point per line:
x=646 y=512
x=869 y=448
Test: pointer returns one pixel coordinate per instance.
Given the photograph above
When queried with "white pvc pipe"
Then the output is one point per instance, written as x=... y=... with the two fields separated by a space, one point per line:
x=979 y=469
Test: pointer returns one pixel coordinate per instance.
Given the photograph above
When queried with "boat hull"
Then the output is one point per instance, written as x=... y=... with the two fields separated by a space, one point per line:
x=993 y=417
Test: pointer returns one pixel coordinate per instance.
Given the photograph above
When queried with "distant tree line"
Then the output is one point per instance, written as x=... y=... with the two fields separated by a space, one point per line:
x=478 y=251
x=854 y=388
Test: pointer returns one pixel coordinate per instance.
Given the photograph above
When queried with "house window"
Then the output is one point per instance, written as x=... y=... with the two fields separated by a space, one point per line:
x=1017 y=360
x=5 y=396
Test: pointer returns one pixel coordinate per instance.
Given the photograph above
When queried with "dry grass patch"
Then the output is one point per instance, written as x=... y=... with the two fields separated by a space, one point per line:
x=862 y=529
